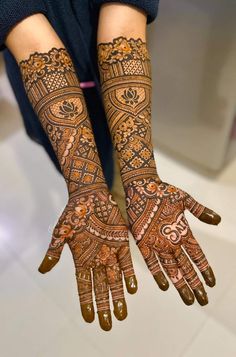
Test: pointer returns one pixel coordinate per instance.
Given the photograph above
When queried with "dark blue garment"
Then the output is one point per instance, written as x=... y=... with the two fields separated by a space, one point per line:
x=75 y=22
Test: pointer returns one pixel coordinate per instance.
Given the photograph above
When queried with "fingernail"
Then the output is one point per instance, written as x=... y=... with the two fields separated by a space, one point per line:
x=209 y=216
x=161 y=281
x=201 y=295
x=88 y=312
x=186 y=295
x=209 y=277
x=120 y=309
x=47 y=264
x=131 y=284
x=105 y=320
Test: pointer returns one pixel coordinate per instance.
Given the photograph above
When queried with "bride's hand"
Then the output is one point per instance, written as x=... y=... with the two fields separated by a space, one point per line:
x=158 y=223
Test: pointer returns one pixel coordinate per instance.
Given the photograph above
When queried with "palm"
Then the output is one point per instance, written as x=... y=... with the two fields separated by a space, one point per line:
x=94 y=229
x=157 y=221
x=91 y=224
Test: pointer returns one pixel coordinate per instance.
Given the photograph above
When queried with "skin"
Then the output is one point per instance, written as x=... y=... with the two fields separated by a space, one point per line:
x=159 y=227
x=105 y=258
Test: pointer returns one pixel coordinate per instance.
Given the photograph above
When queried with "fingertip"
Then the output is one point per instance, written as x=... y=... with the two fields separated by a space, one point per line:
x=47 y=264
x=186 y=295
x=120 y=309
x=131 y=284
x=161 y=280
x=201 y=295
x=210 y=217
x=209 y=277
x=87 y=311
x=105 y=320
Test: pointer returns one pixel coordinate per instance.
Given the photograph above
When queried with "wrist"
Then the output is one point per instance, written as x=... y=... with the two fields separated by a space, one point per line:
x=141 y=178
x=86 y=190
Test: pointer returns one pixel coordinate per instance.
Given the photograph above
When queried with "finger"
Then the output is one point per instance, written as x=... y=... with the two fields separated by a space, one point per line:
x=52 y=256
x=171 y=268
x=191 y=276
x=154 y=267
x=114 y=277
x=84 y=283
x=195 y=252
x=201 y=212
x=101 y=289
x=126 y=265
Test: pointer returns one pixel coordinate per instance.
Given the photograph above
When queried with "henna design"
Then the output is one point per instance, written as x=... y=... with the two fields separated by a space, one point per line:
x=93 y=227
x=155 y=209
x=125 y=74
x=167 y=230
x=53 y=89
x=91 y=223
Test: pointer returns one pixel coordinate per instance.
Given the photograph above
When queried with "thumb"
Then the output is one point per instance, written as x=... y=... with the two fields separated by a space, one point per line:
x=203 y=213
x=52 y=256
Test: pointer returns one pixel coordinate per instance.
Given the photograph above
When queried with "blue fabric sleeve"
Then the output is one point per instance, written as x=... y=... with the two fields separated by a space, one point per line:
x=13 y=11
x=149 y=6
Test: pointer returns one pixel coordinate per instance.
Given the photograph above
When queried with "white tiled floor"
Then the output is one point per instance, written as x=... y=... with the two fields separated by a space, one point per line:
x=40 y=315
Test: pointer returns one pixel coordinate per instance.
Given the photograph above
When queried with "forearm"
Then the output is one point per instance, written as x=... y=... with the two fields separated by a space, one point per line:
x=34 y=33
x=116 y=19
x=125 y=74
x=53 y=89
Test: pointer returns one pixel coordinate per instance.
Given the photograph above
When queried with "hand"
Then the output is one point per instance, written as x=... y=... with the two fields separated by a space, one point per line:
x=94 y=229
x=156 y=215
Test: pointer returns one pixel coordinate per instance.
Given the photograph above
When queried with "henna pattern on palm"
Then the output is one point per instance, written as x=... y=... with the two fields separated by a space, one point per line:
x=164 y=236
x=155 y=209
x=91 y=223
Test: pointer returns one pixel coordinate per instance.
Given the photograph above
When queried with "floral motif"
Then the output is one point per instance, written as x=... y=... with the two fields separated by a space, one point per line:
x=127 y=154
x=145 y=154
x=122 y=49
x=130 y=96
x=38 y=64
x=68 y=109
x=135 y=144
x=152 y=187
x=137 y=162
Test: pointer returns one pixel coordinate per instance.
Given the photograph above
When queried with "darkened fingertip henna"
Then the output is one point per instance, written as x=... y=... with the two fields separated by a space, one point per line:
x=105 y=320
x=47 y=264
x=201 y=295
x=210 y=217
x=120 y=309
x=161 y=281
x=131 y=284
x=87 y=311
x=186 y=295
x=209 y=277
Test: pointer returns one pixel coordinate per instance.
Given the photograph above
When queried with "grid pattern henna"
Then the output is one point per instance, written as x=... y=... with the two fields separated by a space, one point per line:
x=125 y=74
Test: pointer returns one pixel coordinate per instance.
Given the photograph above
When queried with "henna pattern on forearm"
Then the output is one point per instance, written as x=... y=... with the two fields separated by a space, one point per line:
x=155 y=209
x=91 y=223
x=125 y=74
x=53 y=89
